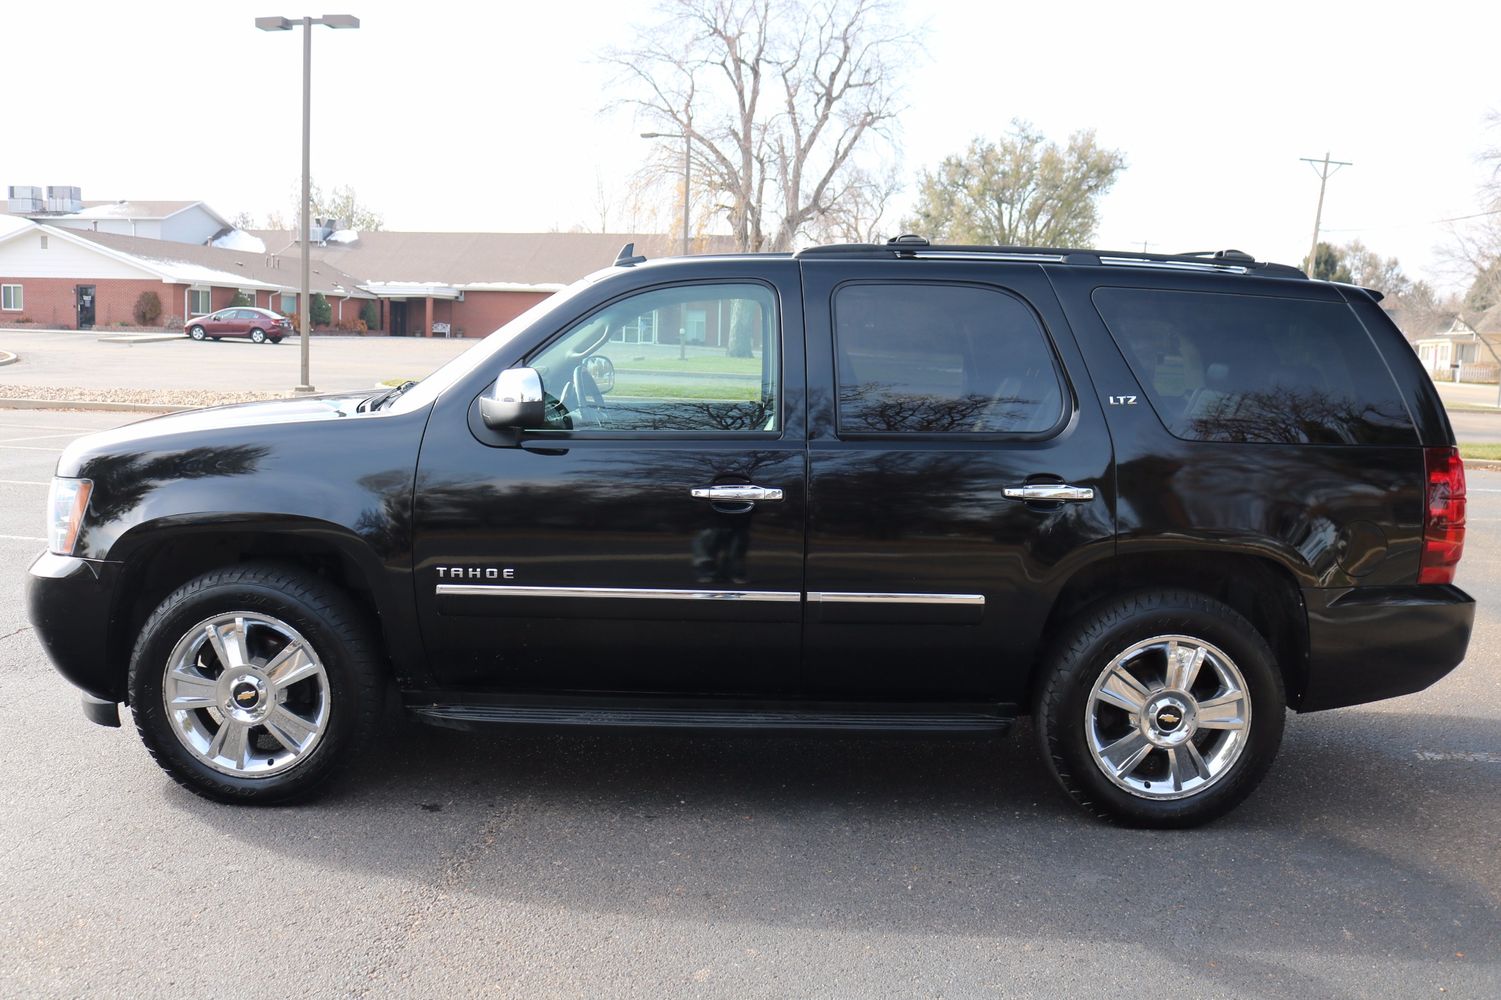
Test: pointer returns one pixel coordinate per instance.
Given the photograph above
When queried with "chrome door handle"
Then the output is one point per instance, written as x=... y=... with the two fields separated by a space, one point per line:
x=1049 y=491
x=736 y=494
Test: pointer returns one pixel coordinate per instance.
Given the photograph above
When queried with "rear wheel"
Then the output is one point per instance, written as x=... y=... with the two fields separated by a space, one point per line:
x=196 y=332
x=1162 y=709
x=275 y=340
x=258 y=336
x=255 y=683
x=215 y=339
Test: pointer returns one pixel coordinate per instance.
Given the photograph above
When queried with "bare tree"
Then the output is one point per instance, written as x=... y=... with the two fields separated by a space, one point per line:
x=782 y=102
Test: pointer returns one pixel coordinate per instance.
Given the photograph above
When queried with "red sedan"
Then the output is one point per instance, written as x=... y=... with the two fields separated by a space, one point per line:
x=260 y=325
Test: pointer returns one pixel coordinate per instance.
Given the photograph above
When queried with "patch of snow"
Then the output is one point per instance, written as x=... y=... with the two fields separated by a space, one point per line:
x=343 y=236
x=238 y=239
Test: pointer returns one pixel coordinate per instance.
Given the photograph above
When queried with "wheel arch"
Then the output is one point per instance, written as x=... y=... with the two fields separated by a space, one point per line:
x=1264 y=591
x=157 y=558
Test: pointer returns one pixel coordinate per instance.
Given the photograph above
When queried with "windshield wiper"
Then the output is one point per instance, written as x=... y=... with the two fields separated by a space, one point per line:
x=381 y=399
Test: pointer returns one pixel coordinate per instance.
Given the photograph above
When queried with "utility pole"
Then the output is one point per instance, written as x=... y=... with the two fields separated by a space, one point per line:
x=1324 y=168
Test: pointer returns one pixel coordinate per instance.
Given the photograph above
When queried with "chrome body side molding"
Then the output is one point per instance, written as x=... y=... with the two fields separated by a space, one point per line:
x=634 y=593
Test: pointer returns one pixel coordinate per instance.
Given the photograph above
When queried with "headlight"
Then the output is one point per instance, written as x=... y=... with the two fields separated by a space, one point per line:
x=66 y=502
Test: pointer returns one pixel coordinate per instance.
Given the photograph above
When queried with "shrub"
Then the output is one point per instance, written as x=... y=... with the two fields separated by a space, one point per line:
x=242 y=298
x=320 y=311
x=370 y=314
x=173 y=323
x=148 y=309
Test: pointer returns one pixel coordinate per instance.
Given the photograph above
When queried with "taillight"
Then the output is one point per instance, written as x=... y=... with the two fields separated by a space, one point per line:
x=1443 y=516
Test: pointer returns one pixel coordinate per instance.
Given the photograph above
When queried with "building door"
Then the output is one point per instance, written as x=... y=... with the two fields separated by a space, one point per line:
x=398 y=319
x=84 y=295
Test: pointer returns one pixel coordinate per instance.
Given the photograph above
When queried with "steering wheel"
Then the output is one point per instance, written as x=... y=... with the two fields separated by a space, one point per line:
x=590 y=401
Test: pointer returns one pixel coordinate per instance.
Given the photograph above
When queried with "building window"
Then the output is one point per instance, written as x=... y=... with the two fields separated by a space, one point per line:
x=199 y=301
x=11 y=299
x=44 y=241
x=288 y=304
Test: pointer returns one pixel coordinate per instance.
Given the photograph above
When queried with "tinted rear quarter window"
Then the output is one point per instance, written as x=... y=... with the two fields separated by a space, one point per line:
x=1256 y=369
x=917 y=358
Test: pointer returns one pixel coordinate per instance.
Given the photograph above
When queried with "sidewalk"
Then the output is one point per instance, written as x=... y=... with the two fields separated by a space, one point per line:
x=1460 y=395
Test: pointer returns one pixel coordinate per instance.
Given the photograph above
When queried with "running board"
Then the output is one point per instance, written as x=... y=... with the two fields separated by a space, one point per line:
x=615 y=713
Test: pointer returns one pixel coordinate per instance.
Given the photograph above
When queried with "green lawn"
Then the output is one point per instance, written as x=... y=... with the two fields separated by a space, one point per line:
x=1487 y=451
x=717 y=364
x=634 y=388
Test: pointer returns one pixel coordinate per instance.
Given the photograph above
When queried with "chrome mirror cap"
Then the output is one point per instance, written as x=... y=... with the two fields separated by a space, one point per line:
x=515 y=401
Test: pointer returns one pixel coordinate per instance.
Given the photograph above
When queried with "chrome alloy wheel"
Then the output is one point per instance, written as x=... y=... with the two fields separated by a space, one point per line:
x=246 y=694
x=1168 y=717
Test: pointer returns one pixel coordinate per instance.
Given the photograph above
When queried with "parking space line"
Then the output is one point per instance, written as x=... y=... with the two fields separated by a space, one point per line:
x=7 y=425
x=23 y=482
x=22 y=538
x=28 y=447
x=38 y=437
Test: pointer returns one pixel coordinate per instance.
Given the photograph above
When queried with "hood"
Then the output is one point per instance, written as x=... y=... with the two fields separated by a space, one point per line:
x=161 y=432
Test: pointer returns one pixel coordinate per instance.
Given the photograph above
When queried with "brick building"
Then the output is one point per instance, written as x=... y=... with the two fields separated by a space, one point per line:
x=53 y=277
x=74 y=264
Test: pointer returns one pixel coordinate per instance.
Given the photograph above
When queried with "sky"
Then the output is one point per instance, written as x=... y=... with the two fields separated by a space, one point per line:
x=497 y=116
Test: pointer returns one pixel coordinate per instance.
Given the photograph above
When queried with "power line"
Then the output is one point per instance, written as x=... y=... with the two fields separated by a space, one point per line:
x=1417 y=225
x=1324 y=168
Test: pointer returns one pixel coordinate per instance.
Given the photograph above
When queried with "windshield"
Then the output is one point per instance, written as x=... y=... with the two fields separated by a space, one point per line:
x=429 y=389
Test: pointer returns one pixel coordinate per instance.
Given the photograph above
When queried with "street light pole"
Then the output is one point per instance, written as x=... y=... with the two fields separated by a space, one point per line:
x=687 y=172
x=305 y=299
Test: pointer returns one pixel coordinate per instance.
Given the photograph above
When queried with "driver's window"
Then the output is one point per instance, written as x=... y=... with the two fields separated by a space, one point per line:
x=688 y=358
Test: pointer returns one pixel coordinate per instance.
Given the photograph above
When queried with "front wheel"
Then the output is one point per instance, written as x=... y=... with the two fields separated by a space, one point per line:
x=196 y=332
x=258 y=336
x=255 y=683
x=1162 y=709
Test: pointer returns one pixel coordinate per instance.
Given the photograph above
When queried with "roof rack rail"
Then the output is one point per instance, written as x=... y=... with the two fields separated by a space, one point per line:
x=910 y=246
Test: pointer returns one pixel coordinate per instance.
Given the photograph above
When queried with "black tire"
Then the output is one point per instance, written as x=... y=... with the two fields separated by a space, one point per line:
x=215 y=339
x=196 y=332
x=275 y=340
x=258 y=336
x=1087 y=651
x=332 y=625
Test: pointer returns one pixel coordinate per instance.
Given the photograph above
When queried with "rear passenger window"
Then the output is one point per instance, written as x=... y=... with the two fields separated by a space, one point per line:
x=942 y=359
x=1256 y=369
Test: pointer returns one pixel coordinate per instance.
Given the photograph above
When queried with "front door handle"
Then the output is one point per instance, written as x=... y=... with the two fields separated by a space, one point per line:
x=736 y=494
x=1049 y=492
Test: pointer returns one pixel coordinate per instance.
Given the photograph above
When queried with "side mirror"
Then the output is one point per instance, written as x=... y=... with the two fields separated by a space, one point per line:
x=515 y=402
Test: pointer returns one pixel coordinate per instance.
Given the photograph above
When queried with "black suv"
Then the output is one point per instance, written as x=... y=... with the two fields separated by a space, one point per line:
x=1149 y=499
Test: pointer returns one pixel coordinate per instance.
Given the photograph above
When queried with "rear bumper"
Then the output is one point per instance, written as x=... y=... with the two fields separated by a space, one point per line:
x=69 y=603
x=1380 y=642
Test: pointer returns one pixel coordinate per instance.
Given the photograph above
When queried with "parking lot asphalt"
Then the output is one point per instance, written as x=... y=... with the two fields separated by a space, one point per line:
x=1367 y=865
x=337 y=363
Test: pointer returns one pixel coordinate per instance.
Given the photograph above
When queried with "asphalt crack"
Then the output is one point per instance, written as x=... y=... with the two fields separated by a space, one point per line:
x=23 y=628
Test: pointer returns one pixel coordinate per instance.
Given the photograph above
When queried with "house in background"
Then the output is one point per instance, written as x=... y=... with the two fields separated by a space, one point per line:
x=423 y=284
x=1461 y=353
x=173 y=221
x=471 y=284
x=53 y=277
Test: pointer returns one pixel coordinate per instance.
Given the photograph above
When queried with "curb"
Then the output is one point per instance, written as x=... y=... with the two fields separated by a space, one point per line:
x=143 y=338
x=1483 y=464
x=7 y=358
x=89 y=404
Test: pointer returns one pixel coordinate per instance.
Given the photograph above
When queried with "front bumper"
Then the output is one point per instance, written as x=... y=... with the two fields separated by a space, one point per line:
x=69 y=602
x=1372 y=643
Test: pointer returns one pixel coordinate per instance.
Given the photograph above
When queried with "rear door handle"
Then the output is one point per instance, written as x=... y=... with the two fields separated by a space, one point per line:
x=1050 y=491
x=736 y=494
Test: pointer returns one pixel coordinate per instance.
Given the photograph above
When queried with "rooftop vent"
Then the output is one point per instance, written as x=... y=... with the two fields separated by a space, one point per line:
x=64 y=199
x=24 y=200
